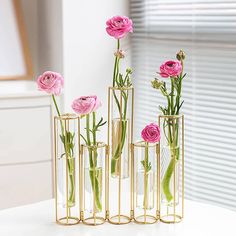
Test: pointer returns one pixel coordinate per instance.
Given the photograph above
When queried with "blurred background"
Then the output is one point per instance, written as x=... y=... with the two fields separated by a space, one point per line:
x=69 y=37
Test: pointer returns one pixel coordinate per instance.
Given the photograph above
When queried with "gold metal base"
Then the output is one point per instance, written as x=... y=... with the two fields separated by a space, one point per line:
x=68 y=221
x=148 y=219
x=171 y=218
x=94 y=221
x=119 y=220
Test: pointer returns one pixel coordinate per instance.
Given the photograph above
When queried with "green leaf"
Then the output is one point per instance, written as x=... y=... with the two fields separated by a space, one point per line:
x=84 y=139
x=183 y=76
x=103 y=123
x=146 y=166
x=62 y=137
x=180 y=106
x=164 y=110
x=99 y=122
x=63 y=154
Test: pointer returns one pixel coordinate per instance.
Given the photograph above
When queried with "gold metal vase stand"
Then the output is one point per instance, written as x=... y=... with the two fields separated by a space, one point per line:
x=148 y=187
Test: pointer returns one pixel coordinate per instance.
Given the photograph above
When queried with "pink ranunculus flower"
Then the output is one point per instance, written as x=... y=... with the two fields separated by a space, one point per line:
x=50 y=82
x=119 y=26
x=170 y=68
x=86 y=104
x=151 y=133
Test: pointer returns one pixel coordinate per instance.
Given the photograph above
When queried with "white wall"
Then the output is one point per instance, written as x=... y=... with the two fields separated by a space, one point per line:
x=88 y=49
x=43 y=20
x=25 y=130
x=67 y=36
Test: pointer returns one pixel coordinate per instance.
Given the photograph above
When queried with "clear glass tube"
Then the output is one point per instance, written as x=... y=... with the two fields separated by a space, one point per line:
x=120 y=134
x=145 y=182
x=121 y=112
x=66 y=152
x=171 y=172
x=93 y=158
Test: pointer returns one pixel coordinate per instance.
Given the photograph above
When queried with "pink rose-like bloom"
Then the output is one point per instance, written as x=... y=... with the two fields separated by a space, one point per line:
x=151 y=133
x=170 y=68
x=50 y=82
x=119 y=26
x=86 y=104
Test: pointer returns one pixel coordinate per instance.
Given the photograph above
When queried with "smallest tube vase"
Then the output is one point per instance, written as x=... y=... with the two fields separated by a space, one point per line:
x=145 y=172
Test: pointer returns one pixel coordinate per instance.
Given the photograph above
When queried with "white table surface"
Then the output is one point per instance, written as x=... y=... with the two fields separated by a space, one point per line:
x=38 y=219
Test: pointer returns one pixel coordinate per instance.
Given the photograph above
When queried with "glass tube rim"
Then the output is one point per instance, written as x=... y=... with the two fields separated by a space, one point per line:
x=171 y=116
x=143 y=144
x=97 y=146
x=67 y=116
x=121 y=88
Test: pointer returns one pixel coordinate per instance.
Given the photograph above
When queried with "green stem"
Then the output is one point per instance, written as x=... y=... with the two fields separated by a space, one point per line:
x=58 y=113
x=145 y=199
x=119 y=148
x=70 y=160
x=93 y=172
x=121 y=143
x=88 y=129
x=116 y=70
x=94 y=175
x=114 y=73
x=94 y=139
x=88 y=140
x=172 y=96
x=166 y=180
x=174 y=151
x=146 y=170
x=55 y=103
x=94 y=131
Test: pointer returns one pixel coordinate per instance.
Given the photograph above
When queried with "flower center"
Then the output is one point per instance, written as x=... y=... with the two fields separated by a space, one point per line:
x=170 y=64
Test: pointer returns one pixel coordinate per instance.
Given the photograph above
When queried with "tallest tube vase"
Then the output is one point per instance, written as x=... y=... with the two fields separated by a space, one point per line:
x=120 y=134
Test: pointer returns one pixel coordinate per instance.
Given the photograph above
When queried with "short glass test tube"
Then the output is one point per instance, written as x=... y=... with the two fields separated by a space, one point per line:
x=145 y=171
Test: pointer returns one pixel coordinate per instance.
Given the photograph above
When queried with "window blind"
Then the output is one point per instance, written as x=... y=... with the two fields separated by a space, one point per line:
x=206 y=30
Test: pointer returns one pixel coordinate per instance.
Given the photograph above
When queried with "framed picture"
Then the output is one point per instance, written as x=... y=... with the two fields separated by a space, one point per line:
x=15 y=61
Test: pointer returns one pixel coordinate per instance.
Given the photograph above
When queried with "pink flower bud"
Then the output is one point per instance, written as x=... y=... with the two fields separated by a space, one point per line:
x=151 y=133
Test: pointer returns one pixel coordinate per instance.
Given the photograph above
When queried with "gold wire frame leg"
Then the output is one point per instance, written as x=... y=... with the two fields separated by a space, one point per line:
x=94 y=221
x=145 y=219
